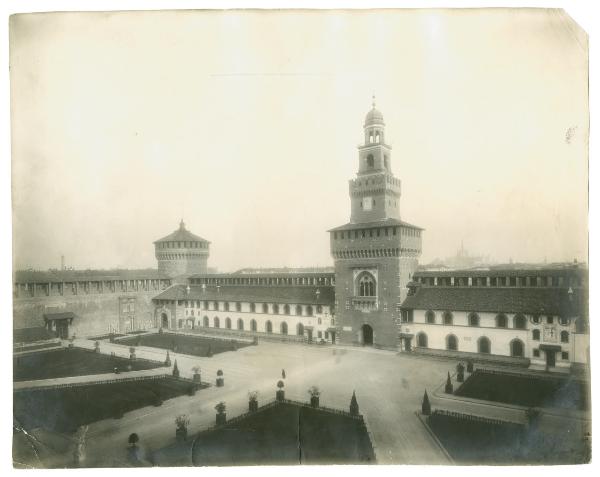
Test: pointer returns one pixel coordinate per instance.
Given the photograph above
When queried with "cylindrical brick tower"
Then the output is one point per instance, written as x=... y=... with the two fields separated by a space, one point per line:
x=182 y=253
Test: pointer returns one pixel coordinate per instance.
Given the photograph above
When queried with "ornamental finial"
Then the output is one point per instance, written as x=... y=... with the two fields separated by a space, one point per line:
x=182 y=225
x=373 y=101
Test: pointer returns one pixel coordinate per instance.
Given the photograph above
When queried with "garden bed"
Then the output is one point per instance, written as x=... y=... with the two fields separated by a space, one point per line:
x=184 y=344
x=284 y=434
x=528 y=390
x=480 y=441
x=65 y=409
x=64 y=362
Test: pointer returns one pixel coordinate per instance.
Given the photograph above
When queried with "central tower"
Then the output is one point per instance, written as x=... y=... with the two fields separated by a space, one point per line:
x=375 y=193
x=376 y=253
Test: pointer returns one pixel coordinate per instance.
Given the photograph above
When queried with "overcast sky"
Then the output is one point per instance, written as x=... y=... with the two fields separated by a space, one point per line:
x=246 y=125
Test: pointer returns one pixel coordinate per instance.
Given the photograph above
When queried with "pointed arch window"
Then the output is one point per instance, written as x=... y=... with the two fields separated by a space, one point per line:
x=366 y=284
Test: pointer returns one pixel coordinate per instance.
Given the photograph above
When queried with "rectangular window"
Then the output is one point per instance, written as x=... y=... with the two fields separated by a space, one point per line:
x=536 y=353
x=378 y=230
x=334 y=235
x=319 y=334
x=565 y=355
x=549 y=320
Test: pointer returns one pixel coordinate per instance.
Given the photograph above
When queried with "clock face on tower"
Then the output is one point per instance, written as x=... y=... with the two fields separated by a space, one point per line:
x=367 y=203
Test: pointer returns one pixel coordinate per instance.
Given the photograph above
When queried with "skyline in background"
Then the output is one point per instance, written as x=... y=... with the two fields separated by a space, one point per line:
x=246 y=125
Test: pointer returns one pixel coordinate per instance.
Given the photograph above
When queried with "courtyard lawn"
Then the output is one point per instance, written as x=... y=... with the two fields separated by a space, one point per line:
x=472 y=441
x=66 y=362
x=65 y=409
x=184 y=344
x=285 y=434
x=526 y=390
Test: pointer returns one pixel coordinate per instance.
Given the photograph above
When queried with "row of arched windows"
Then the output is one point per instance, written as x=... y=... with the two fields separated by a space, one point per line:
x=276 y=308
x=268 y=326
x=484 y=345
x=519 y=321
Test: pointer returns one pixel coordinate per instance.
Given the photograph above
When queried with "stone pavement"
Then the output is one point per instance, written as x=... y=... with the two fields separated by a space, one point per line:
x=389 y=388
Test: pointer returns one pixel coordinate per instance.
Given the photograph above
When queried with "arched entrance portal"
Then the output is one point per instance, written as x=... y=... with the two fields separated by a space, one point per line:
x=164 y=320
x=367 y=333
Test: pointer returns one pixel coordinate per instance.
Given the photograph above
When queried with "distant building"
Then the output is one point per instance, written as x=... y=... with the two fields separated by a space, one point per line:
x=182 y=253
x=290 y=305
x=533 y=316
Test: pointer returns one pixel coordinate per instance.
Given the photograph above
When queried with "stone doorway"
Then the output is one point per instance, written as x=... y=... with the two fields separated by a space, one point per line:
x=367 y=335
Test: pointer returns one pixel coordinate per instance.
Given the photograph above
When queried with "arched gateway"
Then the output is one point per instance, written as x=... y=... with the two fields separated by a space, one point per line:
x=164 y=320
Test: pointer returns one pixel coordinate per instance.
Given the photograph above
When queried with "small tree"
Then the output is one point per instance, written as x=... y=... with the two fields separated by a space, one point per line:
x=97 y=346
x=175 y=370
x=168 y=360
x=449 y=387
x=314 y=392
x=220 y=379
x=131 y=352
x=354 y=405
x=283 y=374
x=426 y=405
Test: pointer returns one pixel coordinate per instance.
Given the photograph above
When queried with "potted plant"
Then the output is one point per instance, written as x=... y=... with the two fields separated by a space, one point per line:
x=470 y=366
x=220 y=379
x=132 y=353
x=314 y=392
x=175 y=370
x=354 y=405
x=460 y=372
x=253 y=401
x=133 y=449
x=97 y=346
x=196 y=377
x=533 y=417
x=181 y=422
x=280 y=393
x=168 y=360
x=221 y=417
x=426 y=405
x=449 y=387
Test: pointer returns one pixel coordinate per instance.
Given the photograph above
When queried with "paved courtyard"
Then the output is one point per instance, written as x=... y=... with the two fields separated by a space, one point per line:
x=388 y=387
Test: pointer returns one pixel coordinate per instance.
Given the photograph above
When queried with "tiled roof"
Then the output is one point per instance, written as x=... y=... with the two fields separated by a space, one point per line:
x=46 y=276
x=182 y=235
x=267 y=273
x=258 y=294
x=59 y=315
x=502 y=272
x=375 y=224
x=554 y=301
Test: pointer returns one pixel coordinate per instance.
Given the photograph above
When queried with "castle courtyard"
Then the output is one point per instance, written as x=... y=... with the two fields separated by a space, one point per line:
x=388 y=387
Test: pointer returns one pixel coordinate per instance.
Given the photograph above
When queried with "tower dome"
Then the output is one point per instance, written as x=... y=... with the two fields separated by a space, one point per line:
x=374 y=117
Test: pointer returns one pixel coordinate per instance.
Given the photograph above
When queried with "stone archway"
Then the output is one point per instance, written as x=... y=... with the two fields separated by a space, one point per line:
x=367 y=335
